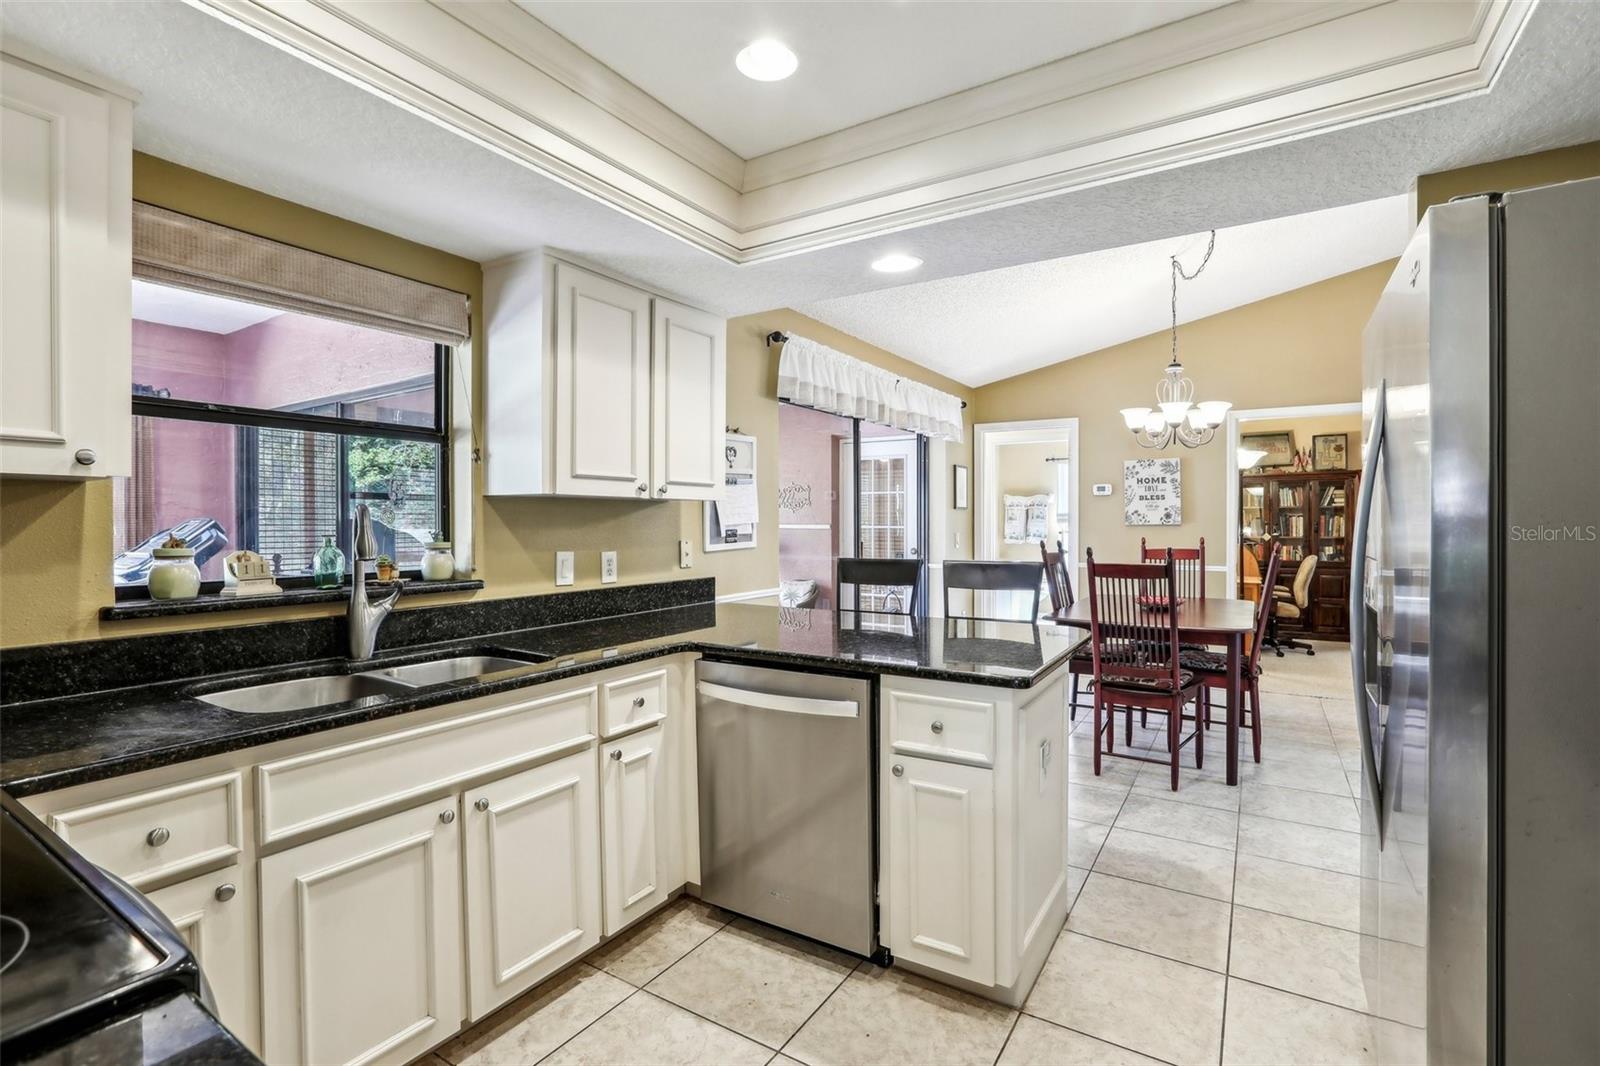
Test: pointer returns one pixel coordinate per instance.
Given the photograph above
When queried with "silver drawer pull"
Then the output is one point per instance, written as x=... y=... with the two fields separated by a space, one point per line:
x=224 y=893
x=898 y=770
x=84 y=457
x=158 y=836
x=482 y=804
x=640 y=489
x=638 y=701
x=937 y=727
x=616 y=753
x=662 y=491
x=447 y=816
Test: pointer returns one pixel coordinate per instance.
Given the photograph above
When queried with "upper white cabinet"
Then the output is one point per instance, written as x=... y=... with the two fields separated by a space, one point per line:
x=598 y=388
x=66 y=193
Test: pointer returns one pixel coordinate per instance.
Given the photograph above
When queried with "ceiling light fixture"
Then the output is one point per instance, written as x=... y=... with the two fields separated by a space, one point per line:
x=766 y=60
x=1177 y=419
x=896 y=263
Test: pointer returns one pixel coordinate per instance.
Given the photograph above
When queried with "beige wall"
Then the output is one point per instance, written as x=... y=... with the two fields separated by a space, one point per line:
x=1505 y=175
x=1302 y=347
x=1306 y=428
x=55 y=537
x=1022 y=471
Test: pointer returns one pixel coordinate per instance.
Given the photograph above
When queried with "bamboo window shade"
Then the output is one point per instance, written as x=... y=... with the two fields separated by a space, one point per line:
x=191 y=253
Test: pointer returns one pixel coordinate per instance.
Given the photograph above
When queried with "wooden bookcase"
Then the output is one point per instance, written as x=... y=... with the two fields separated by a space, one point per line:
x=1311 y=515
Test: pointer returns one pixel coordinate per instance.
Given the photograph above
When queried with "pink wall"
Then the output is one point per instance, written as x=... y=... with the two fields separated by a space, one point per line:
x=808 y=456
x=292 y=359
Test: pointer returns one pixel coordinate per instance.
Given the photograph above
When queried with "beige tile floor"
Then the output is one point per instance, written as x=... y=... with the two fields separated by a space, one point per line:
x=1214 y=925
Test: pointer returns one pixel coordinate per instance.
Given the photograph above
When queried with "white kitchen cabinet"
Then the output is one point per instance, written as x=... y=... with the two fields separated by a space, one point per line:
x=361 y=941
x=633 y=826
x=596 y=387
x=65 y=275
x=602 y=386
x=687 y=402
x=216 y=916
x=532 y=852
x=941 y=869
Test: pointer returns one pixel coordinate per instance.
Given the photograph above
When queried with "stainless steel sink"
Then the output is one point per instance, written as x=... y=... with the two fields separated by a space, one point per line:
x=460 y=668
x=304 y=693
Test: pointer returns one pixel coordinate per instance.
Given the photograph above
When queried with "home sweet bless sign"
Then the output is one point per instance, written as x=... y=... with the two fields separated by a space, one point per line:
x=1152 y=492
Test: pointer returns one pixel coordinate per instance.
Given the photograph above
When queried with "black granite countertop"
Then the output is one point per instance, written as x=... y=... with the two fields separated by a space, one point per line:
x=53 y=743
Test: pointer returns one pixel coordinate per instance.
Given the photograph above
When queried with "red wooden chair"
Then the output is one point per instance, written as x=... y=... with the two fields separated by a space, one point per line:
x=1059 y=581
x=1136 y=663
x=1191 y=576
x=1211 y=667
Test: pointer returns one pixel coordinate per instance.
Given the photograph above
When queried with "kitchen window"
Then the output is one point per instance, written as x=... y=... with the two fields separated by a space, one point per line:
x=261 y=423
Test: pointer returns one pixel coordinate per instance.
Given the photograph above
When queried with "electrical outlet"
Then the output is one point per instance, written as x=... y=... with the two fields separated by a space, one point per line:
x=563 y=568
x=684 y=562
x=608 y=567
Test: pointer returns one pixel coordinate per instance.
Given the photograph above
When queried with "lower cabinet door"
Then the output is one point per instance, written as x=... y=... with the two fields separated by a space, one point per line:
x=941 y=867
x=632 y=822
x=533 y=877
x=216 y=916
x=361 y=941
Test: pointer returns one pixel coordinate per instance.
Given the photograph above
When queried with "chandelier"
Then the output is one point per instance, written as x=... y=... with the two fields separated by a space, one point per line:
x=1176 y=417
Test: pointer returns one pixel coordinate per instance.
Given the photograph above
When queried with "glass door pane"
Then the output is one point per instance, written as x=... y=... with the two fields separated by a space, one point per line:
x=890 y=483
x=815 y=516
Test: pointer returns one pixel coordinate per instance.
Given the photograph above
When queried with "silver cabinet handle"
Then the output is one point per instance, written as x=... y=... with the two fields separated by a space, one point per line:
x=641 y=488
x=447 y=816
x=662 y=491
x=898 y=770
x=224 y=893
x=616 y=753
x=937 y=727
x=638 y=701
x=482 y=804
x=84 y=457
x=158 y=836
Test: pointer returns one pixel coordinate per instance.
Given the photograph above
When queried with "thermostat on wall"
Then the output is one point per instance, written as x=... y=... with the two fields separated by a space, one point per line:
x=1102 y=489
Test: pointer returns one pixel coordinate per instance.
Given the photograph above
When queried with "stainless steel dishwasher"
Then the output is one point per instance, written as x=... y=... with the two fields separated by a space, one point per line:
x=786 y=800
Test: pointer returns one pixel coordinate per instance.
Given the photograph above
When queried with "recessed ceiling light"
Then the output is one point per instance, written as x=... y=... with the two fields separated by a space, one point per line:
x=896 y=263
x=766 y=60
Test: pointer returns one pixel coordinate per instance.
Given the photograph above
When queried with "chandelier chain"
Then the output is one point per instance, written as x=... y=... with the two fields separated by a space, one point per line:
x=1179 y=272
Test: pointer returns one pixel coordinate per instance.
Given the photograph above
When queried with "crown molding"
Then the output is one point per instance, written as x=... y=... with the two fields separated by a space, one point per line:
x=1226 y=81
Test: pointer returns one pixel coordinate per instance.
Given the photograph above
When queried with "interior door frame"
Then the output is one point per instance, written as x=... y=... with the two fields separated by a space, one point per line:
x=986 y=442
x=1231 y=471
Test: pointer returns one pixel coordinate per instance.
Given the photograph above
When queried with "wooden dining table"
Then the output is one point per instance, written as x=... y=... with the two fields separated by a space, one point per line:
x=1212 y=621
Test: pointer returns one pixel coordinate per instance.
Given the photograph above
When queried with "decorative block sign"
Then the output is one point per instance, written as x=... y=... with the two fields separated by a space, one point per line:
x=1152 y=492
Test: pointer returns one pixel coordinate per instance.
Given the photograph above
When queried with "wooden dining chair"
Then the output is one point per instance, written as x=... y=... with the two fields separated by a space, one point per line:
x=1058 y=579
x=1211 y=667
x=890 y=573
x=1191 y=566
x=988 y=576
x=1136 y=658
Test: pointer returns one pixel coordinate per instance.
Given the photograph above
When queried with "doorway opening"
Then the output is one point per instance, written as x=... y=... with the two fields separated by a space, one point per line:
x=1026 y=491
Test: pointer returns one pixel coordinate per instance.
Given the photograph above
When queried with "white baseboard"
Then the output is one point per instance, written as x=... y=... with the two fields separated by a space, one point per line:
x=756 y=594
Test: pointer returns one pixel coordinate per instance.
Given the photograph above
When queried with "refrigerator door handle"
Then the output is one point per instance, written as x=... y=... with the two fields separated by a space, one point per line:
x=1358 y=581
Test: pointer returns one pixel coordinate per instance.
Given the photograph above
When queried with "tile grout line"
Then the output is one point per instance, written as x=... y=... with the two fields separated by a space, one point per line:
x=818 y=1008
x=1101 y=1039
x=1233 y=898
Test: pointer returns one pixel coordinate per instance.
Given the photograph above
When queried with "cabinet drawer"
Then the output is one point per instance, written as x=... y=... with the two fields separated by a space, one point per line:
x=941 y=727
x=323 y=788
x=153 y=835
x=632 y=702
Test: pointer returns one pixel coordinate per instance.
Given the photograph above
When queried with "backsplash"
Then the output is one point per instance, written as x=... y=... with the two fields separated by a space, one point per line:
x=52 y=670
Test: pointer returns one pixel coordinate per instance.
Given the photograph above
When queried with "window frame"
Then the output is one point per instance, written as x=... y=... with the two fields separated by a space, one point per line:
x=338 y=426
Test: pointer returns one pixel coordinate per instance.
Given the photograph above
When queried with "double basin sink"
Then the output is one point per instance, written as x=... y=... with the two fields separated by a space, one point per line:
x=308 y=693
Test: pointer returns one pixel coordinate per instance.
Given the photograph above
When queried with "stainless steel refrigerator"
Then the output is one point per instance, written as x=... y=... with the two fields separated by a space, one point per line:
x=1475 y=608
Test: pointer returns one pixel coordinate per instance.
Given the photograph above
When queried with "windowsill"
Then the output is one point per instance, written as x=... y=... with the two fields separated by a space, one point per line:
x=211 y=603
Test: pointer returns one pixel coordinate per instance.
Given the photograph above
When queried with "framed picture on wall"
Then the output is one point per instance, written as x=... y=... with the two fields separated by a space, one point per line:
x=1279 y=447
x=1330 y=451
x=960 y=492
x=730 y=520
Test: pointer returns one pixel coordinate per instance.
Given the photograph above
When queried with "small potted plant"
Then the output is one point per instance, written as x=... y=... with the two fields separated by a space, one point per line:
x=387 y=571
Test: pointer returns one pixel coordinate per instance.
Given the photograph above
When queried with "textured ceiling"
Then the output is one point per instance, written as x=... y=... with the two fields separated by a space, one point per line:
x=225 y=103
x=983 y=327
x=858 y=60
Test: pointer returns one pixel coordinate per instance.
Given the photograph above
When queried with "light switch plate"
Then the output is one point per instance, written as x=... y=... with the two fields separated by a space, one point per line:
x=683 y=555
x=608 y=567
x=563 y=568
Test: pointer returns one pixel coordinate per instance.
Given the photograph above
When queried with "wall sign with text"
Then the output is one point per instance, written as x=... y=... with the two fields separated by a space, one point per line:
x=1152 y=492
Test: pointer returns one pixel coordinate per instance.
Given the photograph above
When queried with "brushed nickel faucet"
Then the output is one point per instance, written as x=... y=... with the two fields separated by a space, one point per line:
x=363 y=615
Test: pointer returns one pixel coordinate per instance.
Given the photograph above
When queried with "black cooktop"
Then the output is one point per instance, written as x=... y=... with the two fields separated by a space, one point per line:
x=75 y=947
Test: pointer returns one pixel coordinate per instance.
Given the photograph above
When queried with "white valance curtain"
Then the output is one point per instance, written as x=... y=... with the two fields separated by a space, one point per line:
x=818 y=376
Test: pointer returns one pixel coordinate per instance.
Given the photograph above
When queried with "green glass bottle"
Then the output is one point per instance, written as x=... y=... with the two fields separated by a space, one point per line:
x=329 y=565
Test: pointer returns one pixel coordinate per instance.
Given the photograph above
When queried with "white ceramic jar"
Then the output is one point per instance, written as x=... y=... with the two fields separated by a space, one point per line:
x=438 y=563
x=173 y=574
